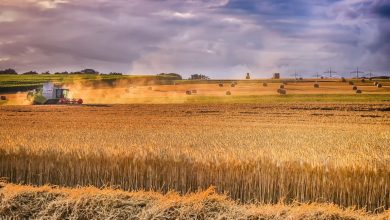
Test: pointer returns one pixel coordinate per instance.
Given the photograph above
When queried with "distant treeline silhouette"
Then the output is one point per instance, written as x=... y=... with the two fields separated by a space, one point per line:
x=10 y=71
x=85 y=71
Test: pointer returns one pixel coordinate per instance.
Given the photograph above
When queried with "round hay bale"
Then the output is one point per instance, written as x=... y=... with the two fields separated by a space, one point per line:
x=221 y=85
x=194 y=91
x=284 y=83
x=379 y=85
x=363 y=80
x=4 y=98
x=375 y=83
x=351 y=83
x=281 y=87
x=265 y=84
x=188 y=92
x=150 y=88
x=354 y=88
x=343 y=79
x=233 y=85
x=228 y=93
x=282 y=91
x=316 y=85
x=358 y=91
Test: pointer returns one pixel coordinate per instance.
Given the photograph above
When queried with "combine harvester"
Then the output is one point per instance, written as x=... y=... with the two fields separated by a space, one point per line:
x=51 y=94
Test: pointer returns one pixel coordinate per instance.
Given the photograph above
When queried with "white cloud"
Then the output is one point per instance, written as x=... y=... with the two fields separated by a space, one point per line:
x=8 y=16
x=183 y=15
x=232 y=20
x=186 y=36
x=49 y=4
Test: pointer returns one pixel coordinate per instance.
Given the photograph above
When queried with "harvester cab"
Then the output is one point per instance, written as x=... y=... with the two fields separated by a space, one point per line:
x=51 y=94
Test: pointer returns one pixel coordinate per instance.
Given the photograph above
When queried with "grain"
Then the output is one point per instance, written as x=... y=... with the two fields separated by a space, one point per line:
x=25 y=202
x=267 y=153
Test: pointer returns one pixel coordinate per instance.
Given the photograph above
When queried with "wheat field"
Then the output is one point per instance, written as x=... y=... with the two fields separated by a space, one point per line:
x=254 y=153
x=25 y=202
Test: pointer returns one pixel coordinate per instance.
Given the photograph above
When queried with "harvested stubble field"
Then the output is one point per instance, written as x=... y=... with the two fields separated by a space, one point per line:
x=265 y=153
x=251 y=91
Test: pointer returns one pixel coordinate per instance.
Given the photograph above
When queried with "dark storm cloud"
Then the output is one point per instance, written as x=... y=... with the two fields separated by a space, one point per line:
x=274 y=8
x=382 y=8
x=379 y=46
x=221 y=38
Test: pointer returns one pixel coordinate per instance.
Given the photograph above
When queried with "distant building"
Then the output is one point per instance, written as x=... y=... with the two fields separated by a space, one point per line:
x=198 y=77
x=276 y=76
x=248 y=76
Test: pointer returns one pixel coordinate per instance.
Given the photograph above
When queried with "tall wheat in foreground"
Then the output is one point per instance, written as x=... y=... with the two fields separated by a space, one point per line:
x=304 y=153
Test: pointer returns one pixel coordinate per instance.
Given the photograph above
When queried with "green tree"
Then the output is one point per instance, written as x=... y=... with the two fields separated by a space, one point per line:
x=30 y=73
x=175 y=76
x=8 y=71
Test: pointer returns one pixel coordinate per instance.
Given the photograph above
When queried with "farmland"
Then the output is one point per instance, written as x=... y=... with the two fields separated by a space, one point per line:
x=13 y=83
x=311 y=153
x=92 y=203
x=162 y=90
x=243 y=92
x=195 y=109
x=306 y=152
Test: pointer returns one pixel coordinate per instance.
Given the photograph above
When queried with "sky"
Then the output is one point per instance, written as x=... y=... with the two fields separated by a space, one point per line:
x=218 y=38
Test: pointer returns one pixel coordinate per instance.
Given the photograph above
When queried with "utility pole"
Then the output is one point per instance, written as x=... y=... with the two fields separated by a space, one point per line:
x=357 y=72
x=317 y=75
x=370 y=74
x=295 y=74
x=330 y=71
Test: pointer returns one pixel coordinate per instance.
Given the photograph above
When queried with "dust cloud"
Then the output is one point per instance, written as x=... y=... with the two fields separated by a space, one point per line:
x=125 y=92
x=115 y=92
x=19 y=98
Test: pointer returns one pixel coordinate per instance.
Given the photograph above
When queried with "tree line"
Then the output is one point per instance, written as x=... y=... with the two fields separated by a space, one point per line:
x=192 y=77
x=176 y=76
x=10 y=71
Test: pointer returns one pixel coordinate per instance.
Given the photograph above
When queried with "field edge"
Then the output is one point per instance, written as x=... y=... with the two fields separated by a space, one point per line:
x=21 y=201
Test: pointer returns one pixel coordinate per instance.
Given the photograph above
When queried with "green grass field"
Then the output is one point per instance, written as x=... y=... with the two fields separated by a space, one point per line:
x=25 y=82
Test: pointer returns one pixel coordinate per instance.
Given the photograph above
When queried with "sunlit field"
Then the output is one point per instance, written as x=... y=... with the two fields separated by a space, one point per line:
x=140 y=90
x=226 y=91
x=254 y=153
x=92 y=203
x=195 y=109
